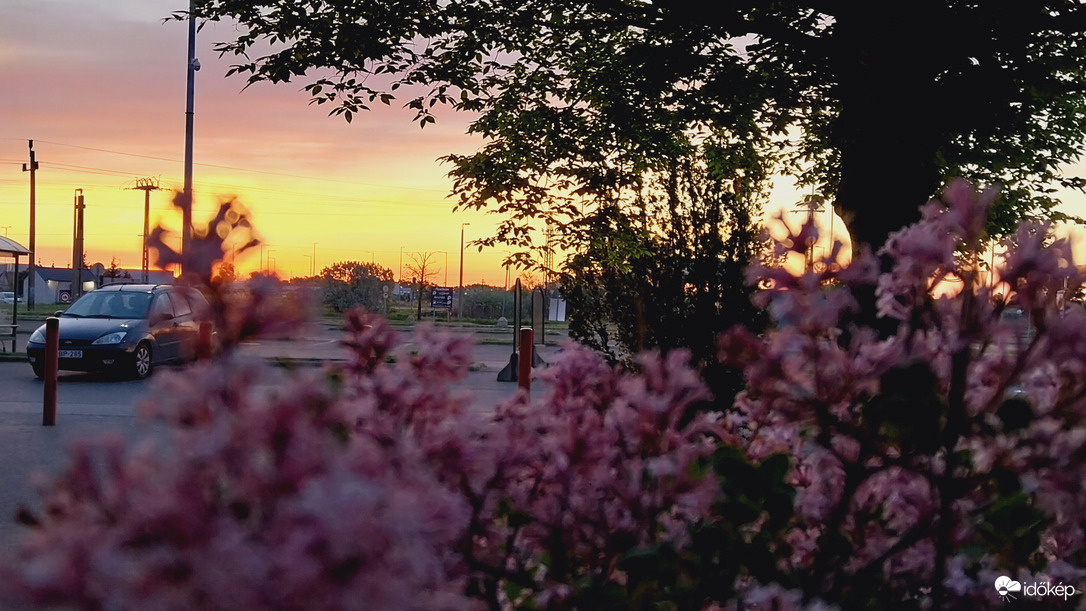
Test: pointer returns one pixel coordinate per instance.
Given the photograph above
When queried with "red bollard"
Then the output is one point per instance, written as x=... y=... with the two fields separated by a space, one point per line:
x=524 y=370
x=204 y=347
x=52 y=347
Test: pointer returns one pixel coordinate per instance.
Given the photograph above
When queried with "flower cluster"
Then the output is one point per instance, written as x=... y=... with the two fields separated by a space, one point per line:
x=949 y=447
x=905 y=438
x=372 y=485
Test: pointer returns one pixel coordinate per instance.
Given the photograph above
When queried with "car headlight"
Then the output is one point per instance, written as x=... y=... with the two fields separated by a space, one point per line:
x=111 y=338
x=38 y=336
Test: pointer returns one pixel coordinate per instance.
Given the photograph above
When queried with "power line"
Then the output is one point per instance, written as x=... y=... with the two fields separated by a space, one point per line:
x=240 y=169
x=348 y=201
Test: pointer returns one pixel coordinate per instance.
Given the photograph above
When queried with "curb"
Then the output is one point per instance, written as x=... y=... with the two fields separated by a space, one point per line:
x=278 y=361
x=287 y=362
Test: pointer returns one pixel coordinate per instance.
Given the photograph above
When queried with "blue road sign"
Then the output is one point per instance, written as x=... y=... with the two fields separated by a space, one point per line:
x=441 y=298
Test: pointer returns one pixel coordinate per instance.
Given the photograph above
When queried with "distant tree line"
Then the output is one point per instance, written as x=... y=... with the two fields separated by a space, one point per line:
x=347 y=284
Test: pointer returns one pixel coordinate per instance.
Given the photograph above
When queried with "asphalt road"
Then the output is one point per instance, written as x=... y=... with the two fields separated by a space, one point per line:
x=86 y=405
x=94 y=405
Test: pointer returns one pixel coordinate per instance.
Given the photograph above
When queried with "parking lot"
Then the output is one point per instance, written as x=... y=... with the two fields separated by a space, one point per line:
x=91 y=404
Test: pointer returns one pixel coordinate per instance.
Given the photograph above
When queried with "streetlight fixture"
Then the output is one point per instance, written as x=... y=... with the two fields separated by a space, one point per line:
x=460 y=313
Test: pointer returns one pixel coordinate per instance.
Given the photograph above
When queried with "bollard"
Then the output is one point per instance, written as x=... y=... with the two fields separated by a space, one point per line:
x=204 y=347
x=524 y=375
x=52 y=346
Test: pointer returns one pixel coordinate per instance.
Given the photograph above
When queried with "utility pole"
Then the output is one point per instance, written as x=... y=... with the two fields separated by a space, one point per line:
x=77 y=246
x=193 y=66
x=460 y=298
x=32 y=168
x=146 y=185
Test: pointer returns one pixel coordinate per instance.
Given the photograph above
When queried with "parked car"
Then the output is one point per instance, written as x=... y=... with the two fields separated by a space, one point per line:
x=126 y=328
x=8 y=297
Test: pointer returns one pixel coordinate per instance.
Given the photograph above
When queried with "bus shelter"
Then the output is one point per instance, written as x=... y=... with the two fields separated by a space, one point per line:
x=11 y=248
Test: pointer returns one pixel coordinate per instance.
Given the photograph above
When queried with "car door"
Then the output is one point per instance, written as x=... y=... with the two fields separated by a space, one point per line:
x=185 y=325
x=163 y=326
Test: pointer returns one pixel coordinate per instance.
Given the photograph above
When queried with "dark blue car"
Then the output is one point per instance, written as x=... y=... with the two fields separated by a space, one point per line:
x=126 y=328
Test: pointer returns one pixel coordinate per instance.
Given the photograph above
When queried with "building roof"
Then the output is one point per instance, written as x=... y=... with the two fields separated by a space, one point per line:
x=11 y=247
x=63 y=274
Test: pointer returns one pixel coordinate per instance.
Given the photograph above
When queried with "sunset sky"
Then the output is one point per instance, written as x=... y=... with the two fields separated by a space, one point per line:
x=99 y=85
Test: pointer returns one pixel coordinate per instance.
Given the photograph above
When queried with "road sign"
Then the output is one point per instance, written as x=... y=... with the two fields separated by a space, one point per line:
x=441 y=298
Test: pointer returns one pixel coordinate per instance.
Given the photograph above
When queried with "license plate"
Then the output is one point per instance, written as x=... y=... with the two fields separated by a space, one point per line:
x=71 y=354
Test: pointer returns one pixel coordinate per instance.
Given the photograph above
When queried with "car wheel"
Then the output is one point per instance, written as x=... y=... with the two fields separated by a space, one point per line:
x=141 y=362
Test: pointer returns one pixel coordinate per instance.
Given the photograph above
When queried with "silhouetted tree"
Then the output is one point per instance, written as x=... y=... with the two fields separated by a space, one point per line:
x=421 y=267
x=114 y=270
x=579 y=100
x=668 y=271
x=225 y=273
x=349 y=283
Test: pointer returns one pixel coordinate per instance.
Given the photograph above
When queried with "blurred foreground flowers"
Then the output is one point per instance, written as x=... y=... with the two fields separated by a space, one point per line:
x=866 y=468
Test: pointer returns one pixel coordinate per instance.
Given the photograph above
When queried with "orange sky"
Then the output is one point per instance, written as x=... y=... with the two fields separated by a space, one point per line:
x=100 y=87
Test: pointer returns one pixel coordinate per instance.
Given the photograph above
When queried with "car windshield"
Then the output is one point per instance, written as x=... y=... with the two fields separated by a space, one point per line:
x=110 y=304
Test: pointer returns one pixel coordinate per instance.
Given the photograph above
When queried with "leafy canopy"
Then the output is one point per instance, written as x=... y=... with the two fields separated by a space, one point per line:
x=578 y=101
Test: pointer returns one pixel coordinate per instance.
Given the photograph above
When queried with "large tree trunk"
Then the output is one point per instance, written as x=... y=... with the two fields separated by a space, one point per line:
x=888 y=132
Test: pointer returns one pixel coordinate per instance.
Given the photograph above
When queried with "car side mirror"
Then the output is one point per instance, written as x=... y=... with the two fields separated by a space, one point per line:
x=58 y=312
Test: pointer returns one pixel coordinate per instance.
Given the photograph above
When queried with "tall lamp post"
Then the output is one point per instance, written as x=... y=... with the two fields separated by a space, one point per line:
x=442 y=252
x=193 y=66
x=460 y=297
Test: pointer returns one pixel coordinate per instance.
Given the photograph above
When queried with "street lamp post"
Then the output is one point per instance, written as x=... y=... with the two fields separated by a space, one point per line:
x=460 y=313
x=310 y=264
x=446 y=265
x=193 y=66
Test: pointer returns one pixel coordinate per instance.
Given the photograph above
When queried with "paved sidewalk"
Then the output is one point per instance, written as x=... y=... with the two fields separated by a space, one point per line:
x=26 y=446
x=321 y=345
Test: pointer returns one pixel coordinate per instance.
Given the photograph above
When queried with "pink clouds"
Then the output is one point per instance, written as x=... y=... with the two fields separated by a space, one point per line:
x=100 y=86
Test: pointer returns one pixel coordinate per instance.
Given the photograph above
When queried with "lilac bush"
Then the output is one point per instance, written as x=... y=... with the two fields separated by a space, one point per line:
x=930 y=460
x=868 y=465
x=370 y=485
